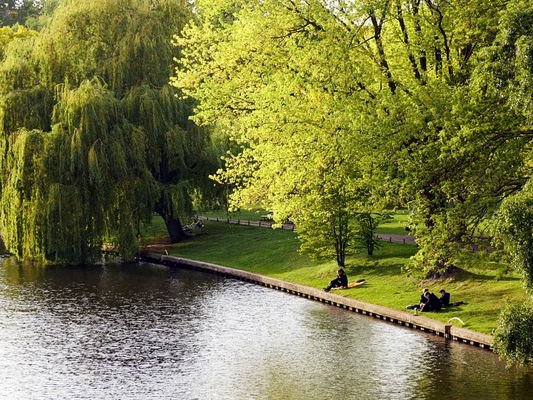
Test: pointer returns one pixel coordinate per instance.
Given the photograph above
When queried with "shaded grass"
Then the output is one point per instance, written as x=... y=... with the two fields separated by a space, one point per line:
x=275 y=253
x=395 y=226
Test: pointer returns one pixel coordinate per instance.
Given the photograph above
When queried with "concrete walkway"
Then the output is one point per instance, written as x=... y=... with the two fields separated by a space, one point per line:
x=403 y=318
x=404 y=239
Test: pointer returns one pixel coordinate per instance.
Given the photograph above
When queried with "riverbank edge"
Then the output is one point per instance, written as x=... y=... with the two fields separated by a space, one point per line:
x=406 y=319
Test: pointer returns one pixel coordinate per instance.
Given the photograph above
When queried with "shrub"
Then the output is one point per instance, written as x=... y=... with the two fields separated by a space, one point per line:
x=513 y=340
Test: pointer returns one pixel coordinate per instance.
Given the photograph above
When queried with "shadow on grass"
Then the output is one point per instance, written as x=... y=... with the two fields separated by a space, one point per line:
x=389 y=250
x=464 y=275
x=374 y=271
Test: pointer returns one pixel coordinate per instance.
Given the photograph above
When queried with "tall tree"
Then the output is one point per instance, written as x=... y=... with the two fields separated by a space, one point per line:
x=93 y=138
x=507 y=76
x=394 y=81
x=267 y=86
x=422 y=103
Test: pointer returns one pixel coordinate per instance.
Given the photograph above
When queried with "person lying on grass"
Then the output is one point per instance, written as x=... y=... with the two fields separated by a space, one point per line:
x=341 y=281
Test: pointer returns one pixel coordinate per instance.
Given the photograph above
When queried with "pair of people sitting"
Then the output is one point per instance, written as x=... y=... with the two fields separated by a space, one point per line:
x=430 y=302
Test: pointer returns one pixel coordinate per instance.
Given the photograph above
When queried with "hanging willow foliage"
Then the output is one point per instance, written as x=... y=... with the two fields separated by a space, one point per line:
x=125 y=42
x=23 y=192
x=95 y=182
x=92 y=137
x=173 y=145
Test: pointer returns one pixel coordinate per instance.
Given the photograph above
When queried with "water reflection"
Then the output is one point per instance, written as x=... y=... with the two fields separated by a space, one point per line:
x=149 y=332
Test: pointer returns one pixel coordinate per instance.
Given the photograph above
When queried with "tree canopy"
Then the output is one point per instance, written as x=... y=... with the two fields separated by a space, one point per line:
x=392 y=103
x=93 y=138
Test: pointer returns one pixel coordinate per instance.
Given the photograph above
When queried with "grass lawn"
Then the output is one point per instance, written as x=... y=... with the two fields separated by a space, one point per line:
x=395 y=226
x=246 y=215
x=275 y=253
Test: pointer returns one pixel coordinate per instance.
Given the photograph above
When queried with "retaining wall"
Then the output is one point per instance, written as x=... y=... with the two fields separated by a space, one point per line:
x=403 y=318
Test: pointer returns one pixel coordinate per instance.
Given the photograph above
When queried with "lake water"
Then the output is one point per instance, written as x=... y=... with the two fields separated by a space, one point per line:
x=151 y=332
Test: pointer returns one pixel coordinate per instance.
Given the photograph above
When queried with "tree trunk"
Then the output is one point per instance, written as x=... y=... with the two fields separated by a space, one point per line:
x=174 y=228
x=341 y=259
x=442 y=270
x=3 y=249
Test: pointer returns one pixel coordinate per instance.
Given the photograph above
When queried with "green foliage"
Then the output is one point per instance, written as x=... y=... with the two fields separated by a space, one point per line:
x=508 y=69
x=8 y=34
x=515 y=231
x=115 y=142
x=291 y=154
x=19 y=12
x=512 y=340
x=326 y=228
x=366 y=231
x=401 y=92
x=22 y=215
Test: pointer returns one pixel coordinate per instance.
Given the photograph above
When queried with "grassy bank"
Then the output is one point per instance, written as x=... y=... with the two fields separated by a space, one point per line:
x=274 y=253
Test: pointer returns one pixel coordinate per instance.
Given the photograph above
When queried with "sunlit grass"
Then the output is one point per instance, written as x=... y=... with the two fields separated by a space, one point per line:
x=395 y=226
x=246 y=215
x=275 y=253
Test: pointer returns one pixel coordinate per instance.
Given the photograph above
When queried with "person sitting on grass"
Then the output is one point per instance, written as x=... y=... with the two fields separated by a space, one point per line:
x=428 y=302
x=341 y=281
x=445 y=299
x=423 y=300
x=432 y=302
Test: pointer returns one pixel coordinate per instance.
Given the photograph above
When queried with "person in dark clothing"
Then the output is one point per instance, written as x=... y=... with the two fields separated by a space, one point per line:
x=423 y=300
x=340 y=281
x=444 y=298
x=432 y=302
x=424 y=297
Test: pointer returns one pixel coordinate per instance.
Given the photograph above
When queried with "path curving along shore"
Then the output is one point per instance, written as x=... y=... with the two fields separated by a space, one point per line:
x=402 y=318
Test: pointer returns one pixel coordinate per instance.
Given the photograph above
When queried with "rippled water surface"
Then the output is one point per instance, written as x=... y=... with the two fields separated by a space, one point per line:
x=150 y=332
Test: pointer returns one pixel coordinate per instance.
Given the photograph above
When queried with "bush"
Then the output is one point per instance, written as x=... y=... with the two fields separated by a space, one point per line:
x=513 y=339
x=515 y=231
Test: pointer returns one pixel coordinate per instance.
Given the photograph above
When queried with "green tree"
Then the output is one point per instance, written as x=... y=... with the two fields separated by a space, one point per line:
x=397 y=81
x=265 y=87
x=515 y=231
x=8 y=34
x=512 y=339
x=424 y=103
x=507 y=75
x=367 y=224
x=93 y=137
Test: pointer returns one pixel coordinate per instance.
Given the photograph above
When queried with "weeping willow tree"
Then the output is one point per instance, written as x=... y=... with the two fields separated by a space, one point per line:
x=93 y=140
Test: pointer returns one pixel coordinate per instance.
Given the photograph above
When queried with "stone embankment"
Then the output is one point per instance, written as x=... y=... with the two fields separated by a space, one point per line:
x=402 y=318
